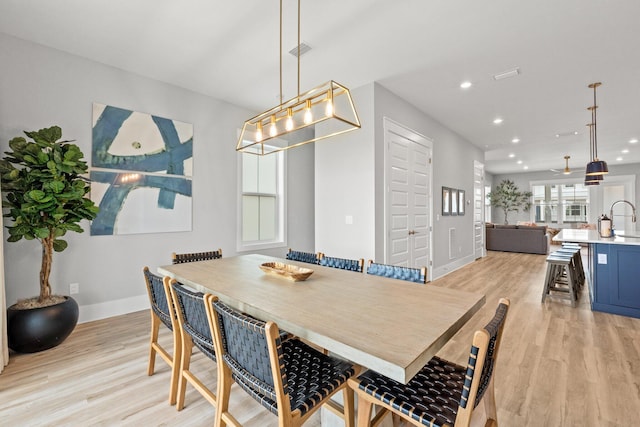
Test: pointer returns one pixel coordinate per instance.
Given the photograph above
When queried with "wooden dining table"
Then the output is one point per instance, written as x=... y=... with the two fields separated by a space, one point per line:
x=391 y=326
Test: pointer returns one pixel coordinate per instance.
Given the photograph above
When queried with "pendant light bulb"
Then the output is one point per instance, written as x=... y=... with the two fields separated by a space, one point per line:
x=273 y=131
x=288 y=125
x=308 y=117
x=329 y=108
x=259 y=135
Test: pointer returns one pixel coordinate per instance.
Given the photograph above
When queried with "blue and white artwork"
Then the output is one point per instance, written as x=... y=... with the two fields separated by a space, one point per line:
x=141 y=174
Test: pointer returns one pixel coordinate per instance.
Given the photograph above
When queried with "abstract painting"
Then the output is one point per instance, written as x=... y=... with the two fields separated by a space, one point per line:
x=141 y=174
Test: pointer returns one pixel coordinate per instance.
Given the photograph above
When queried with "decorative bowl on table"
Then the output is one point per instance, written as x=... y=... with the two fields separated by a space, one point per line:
x=288 y=271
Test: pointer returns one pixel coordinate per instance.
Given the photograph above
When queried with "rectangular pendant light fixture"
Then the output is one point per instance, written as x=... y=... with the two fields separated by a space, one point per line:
x=322 y=112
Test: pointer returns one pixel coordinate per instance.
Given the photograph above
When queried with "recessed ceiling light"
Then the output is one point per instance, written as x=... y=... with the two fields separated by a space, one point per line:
x=570 y=133
x=465 y=85
x=625 y=151
x=515 y=140
x=511 y=155
x=619 y=159
x=519 y=162
x=497 y=121
x=526 y=167
x=633 y=141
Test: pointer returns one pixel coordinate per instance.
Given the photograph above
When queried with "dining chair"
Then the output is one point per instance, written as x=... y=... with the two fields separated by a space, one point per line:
x=286 y=376
x=194 y=329
x=442 y=393
x=309 y=257
x=417 y=275
x=341 y=263
x=195 y=256
x=162 y=312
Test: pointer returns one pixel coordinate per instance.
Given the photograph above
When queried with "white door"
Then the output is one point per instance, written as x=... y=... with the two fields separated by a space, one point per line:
x=478 y=210
x=408 y=197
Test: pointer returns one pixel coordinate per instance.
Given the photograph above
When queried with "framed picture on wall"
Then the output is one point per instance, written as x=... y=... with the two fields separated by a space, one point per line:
x=460 y=202
x=454 y=201
x=446 y=201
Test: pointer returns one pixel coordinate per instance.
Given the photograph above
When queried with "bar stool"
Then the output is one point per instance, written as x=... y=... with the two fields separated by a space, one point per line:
x=561 y=277
x=576 y=261
x=579 y=264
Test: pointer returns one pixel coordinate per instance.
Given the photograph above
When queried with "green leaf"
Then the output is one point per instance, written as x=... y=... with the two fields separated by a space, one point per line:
x=46 y=135
x=17 y=144
x=30 y=159
x=43 y=157
x=36 y=195
x=56 y=186
x=42 y=233
x=59 y=245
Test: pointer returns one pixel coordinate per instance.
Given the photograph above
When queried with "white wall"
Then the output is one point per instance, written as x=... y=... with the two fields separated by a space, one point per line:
x=41 y=87
x=345 y=186
x=351 y=182
x=452 y=164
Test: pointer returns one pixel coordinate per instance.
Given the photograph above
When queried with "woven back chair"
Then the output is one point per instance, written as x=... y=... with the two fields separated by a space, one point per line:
x=162 y=312
x=341 y=263
x=417 y=275
x=442 y=393
x=196 y=256
x=286 y=376
x=309 y=257
x=195 y=331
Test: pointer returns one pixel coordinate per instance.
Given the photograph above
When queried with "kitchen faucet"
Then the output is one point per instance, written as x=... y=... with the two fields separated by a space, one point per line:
x=633 y=215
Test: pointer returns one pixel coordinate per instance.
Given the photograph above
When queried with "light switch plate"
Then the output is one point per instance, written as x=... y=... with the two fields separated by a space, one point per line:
x=602 y=258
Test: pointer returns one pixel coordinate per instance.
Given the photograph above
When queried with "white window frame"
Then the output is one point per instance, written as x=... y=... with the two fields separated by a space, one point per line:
x=281 y=212
x=560 y=206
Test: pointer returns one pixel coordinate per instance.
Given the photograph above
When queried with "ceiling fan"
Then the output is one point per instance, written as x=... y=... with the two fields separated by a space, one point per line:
x=566 y=170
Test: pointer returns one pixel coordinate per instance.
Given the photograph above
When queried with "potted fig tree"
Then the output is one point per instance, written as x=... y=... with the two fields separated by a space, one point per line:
x=45 y=196
x=508 y=197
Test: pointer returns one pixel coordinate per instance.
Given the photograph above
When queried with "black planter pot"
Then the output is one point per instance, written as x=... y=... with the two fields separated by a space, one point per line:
x=38 y=329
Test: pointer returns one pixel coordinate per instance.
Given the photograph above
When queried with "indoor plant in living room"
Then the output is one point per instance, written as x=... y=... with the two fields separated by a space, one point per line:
x=508 y=197
x=45 y=195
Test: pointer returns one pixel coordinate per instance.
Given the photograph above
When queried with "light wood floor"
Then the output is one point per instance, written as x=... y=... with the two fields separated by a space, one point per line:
x=558 y=366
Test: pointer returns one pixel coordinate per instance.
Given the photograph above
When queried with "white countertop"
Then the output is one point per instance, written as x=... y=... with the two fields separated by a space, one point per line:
x=592 y=236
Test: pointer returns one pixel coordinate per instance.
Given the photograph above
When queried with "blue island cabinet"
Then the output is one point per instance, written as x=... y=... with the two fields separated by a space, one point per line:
x=616 y=279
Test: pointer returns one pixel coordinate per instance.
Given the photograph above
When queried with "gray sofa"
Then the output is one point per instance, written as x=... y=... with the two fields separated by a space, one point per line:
x=518 y=238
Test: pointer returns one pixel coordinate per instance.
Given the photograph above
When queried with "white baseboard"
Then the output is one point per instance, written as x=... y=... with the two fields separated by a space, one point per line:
x=103 y=310
x=452 y=266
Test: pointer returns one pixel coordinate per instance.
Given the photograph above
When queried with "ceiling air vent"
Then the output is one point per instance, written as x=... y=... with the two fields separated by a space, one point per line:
x=304 y=48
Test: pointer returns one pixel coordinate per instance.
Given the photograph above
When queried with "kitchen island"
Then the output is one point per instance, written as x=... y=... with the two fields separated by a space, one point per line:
x=613 y=270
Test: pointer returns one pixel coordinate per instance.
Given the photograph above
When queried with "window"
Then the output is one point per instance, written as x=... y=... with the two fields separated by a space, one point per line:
x=261 y=201
x=560 y=203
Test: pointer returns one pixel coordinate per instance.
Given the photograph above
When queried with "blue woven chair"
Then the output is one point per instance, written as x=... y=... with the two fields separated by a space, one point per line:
x=195 y=256
x=342 y=263
x=288 y=377
x=442 y=393
x=309 y=257
x=417 y=275
x=162 y=312
x=195 y=331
